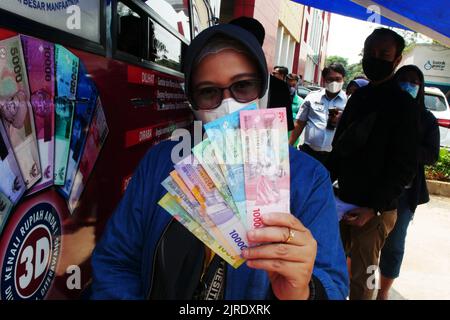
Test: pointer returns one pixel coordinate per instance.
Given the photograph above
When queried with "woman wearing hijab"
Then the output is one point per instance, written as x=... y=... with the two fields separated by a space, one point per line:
x=144 y=253
x=411 y=80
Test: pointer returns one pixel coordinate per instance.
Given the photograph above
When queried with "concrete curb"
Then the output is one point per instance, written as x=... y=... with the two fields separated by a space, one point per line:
x=438 y=188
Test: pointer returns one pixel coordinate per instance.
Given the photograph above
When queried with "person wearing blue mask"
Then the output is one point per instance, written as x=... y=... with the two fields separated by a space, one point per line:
x=411 y=80
x=146 y=254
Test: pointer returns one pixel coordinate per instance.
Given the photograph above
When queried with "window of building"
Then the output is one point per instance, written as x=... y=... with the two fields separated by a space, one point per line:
x=174 y=12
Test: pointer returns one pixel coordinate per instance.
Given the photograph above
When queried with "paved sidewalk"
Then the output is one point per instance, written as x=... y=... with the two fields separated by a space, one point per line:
x=425 y=271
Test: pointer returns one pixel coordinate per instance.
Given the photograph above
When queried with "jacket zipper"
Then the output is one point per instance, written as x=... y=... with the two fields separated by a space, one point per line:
x=154 y=258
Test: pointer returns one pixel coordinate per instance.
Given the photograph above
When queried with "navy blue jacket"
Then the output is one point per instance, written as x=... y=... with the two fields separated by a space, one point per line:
x=123 y=259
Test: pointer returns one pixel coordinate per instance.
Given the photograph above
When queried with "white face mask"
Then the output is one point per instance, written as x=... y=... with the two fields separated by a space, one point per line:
x=227 y=106
x=334 y=87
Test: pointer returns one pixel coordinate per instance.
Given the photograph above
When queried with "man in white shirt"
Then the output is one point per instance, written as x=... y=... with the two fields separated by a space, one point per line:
x=320 y=113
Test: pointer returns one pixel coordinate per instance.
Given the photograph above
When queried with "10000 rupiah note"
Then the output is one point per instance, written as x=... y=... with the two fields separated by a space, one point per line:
x=170 y=204
x=212 y=204
x=16 y=111
x=66 y=89
x=183 y=195
x=266 y=163
x=39 y=57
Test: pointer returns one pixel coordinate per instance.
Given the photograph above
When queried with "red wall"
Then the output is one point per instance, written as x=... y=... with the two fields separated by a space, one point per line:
x=266 y=12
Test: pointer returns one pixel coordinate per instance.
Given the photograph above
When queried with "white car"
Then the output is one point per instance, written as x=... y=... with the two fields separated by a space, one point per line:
x=436 y=102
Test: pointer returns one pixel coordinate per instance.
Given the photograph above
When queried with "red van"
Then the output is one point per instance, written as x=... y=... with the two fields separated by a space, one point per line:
x=129 y=52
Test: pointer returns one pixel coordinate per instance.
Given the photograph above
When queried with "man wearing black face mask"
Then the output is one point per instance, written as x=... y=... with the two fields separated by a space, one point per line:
x=373 y=158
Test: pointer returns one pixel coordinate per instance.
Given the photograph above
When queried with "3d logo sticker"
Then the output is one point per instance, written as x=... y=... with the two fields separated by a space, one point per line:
x=32 y=254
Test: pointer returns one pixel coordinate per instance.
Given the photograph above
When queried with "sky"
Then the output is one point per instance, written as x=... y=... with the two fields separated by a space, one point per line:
x=347 y=35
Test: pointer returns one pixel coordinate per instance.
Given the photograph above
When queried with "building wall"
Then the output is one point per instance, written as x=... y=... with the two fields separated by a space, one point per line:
x=296 y=36
x=433 y=60
x=267 y=12
x=313 y=44
x=291 y=16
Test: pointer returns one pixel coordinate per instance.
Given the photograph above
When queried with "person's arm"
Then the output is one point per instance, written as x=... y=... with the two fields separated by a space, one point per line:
x=428 y=152
x=298 y=129
x=300 y=122
x=318 y=214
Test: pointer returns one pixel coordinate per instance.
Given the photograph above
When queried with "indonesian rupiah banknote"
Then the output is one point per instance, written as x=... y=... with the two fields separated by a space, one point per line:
x=171 y=205
x=5 y=209
x=12 y=185
x=204 y=154
x=66 y=89
x=84 y=109
x=39 y=58
x=175 y=185
x=212 y=204
x=225 y=136
x=266 y=163
x=98 y=132
x=16 y=111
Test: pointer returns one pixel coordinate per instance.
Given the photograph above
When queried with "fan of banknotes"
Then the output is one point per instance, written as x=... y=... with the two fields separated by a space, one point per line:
x=231 y=179
x=52 y=122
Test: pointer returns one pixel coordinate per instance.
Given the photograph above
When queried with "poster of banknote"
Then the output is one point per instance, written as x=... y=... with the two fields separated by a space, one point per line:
x=12 y=185
x=39 y=58
x=66 y=89
x=98 y=131
x=5 y=209
x=84 y=109
x=16 y=111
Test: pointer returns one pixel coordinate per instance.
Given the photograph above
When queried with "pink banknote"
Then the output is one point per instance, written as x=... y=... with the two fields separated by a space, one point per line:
x=266 y=163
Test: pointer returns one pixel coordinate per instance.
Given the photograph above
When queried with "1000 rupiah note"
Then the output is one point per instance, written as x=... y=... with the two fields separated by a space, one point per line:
x=266 y=163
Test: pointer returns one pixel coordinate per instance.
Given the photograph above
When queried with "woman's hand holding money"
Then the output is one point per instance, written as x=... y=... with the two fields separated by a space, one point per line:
x=287 y=251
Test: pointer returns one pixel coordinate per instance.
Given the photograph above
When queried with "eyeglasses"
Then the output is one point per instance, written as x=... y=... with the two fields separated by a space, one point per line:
x=243 y=91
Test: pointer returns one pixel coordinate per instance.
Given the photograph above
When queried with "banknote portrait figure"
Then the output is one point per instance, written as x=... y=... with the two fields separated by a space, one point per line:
x=14 y=110
x=40 y=101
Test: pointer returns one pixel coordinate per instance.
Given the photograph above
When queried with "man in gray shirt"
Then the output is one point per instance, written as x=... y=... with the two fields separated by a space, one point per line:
x=320 y=113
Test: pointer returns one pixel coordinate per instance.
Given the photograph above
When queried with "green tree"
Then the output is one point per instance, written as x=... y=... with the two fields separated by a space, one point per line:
x=353 y=71
x=337 y=59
